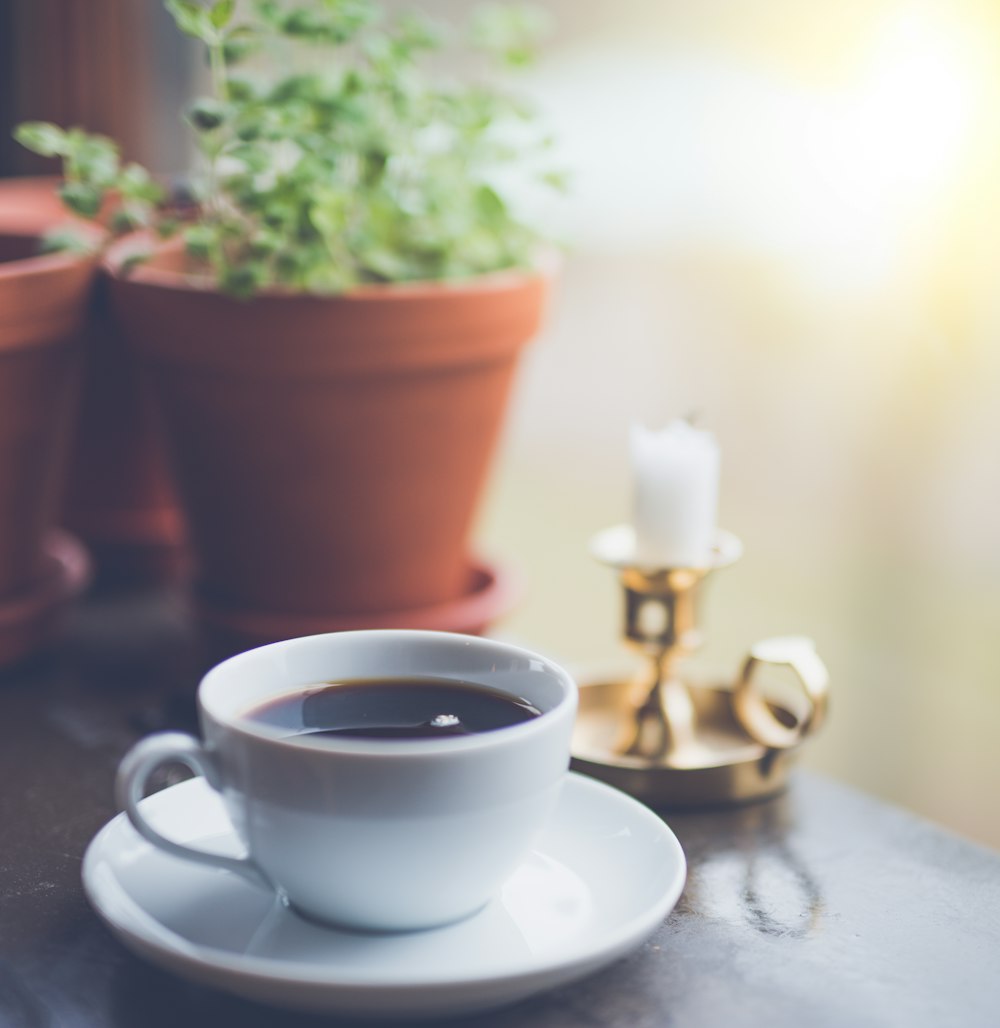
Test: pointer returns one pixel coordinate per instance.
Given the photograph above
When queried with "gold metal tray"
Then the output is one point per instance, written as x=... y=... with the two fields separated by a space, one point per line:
x=718 y=762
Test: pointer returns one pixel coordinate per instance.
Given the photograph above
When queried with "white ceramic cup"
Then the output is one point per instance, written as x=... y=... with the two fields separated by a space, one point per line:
x=379 y=834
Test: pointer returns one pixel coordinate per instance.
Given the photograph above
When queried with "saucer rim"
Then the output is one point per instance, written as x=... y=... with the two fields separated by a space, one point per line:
x=142 y=932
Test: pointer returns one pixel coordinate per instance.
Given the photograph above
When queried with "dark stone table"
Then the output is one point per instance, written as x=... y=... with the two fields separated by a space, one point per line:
x=821 y=907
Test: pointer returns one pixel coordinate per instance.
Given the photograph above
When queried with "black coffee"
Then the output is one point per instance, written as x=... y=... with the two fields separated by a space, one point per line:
x=394 y=708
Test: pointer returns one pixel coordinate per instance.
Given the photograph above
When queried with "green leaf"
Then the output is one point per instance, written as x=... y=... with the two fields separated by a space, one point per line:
x=263 y=245
x=288 y=265
x=489 y=205
x=414 y=32
x=221 y=12
x=207 y=114
x=280 y=215
x=192 y=19
x=510 y=32
x=270 y=12
x=327 y=277
x=81 y=198
x=239 y=43
x=125 y=220
x=132 y=262
x=41 y=137
x=329 y=213
x=200 y=242
x=135 y=183
x=384 y=263
x=557 y=179
x=242 y=90
x=254 y=158
x=302 y=87
x=66 y=240
x=92 y=158
x=249 y=131
x=331 y=22
x=242 y=281
x=306 y=24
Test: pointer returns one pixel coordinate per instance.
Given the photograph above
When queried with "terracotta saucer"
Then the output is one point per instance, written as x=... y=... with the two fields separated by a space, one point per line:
x=28 y=618
x=492 y=592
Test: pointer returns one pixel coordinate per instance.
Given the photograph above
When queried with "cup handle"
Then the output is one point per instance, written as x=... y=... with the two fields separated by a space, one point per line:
x=130 y=786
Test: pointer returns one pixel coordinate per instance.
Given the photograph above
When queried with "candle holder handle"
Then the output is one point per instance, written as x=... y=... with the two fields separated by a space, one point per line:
x=759 y=717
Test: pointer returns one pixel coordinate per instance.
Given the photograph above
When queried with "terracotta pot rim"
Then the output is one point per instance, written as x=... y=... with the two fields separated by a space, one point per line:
x=30 y=203
x=39 y=264
x=493 y=591
x=28 y=181
x=488 y=283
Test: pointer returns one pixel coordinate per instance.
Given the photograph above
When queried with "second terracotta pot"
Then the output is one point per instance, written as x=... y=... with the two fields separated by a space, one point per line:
x=43 y=303
x=118 y=496
x=329 y=451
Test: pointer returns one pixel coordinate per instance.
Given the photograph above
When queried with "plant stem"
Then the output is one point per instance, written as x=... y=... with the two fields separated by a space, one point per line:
x=217 y=62
x=220 y=86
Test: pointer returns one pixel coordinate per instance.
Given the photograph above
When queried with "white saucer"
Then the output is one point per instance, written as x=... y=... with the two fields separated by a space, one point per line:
x=605 y=873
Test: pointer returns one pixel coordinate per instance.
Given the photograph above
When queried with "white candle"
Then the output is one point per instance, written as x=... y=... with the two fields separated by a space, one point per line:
x=676 y=478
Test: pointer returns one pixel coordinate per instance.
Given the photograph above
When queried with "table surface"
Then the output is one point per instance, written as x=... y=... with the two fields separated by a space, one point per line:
x=820 y=907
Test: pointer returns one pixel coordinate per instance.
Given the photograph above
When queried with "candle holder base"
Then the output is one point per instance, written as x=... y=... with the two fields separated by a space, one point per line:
x=674 y=743
x=720 y=763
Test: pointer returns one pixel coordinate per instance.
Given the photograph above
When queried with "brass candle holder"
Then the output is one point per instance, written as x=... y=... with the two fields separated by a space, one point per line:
x=672 y=742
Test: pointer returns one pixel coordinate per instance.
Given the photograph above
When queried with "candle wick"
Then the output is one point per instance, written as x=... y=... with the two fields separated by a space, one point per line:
x=693 y=417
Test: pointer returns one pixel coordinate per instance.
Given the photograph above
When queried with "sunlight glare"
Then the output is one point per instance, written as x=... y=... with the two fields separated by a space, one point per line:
x=893 y=137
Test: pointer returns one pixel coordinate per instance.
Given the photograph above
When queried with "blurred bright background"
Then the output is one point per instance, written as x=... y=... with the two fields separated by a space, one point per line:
x=786 y=217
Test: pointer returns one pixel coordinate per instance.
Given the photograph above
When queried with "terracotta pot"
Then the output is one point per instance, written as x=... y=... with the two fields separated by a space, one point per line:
x=30 y=205
x=118 y=495
x=329 y=451
x=43 y=302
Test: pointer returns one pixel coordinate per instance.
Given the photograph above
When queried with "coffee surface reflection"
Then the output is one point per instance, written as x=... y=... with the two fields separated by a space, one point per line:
x=393 y=708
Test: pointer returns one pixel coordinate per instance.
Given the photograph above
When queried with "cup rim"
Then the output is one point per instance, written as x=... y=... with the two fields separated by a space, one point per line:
x=387 y=748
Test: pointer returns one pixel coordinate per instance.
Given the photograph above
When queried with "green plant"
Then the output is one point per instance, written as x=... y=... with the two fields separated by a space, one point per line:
x=369 y=170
